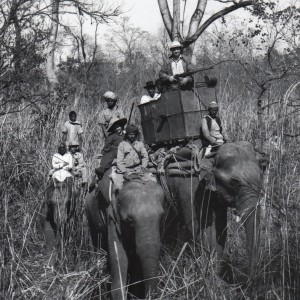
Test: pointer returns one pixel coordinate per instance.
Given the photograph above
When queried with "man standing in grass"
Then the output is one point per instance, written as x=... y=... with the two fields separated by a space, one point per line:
x=72 y=131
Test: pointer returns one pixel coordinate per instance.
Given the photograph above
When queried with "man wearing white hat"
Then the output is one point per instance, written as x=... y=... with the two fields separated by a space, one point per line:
x=112 y=110
x=177 y=64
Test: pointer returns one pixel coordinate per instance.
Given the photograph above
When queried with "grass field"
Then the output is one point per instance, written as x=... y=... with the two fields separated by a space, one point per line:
x=27 y=144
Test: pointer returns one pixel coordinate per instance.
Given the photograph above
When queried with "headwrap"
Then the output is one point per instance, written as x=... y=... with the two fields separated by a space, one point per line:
x=213 y=105
x=110 y=95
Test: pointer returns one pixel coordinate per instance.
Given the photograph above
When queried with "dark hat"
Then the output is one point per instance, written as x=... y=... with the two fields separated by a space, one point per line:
x=116 y=122
x=149 y=84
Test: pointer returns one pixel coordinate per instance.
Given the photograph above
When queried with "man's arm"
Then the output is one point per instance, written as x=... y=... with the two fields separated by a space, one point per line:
x=69 y=162
x=225 y=136
x=189 y=68
x=80 y=161
x=120 y=159
x=144 y=156
x=64 y=132
x=206 y=133
x=57 y=163
x=164 y=74
x=121 y=114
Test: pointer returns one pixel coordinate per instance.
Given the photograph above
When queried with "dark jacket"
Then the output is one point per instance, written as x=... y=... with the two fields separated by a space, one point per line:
x=110 y=151
x=166 y=72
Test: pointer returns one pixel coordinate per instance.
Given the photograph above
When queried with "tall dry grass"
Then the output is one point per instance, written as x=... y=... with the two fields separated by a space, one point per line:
x=27 y=144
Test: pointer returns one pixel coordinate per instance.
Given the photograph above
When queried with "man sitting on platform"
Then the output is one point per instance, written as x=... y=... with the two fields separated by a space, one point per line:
x=176 y=65
x=152 y=94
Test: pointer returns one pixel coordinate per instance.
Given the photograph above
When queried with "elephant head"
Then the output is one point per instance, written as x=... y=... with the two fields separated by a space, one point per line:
x=134 y=237
x=59 y=197
x=237 y=169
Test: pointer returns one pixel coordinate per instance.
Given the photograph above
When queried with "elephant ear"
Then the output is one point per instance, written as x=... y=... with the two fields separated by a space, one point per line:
x=228 y=182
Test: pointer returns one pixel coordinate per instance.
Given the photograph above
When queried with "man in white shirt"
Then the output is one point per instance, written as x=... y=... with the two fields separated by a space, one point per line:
x=72 y=131
x=152 y=94
x=177 y=64
x=62 y=163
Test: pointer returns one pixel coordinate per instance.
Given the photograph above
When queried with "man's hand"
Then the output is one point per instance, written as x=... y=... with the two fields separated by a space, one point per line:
x=184 y=81
x=172 y=79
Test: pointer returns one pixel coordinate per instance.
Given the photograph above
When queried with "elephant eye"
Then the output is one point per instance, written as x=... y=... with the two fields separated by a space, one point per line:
x=234 y=183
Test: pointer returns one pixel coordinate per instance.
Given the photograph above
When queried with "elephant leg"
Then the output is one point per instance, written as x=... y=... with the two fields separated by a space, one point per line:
x=96 y=216
x=118 y=263
x=221 y=226
x=187 y=195
x=206 y=221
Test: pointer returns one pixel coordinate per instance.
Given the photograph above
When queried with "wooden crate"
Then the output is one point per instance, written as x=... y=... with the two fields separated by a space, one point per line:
x=176 y=115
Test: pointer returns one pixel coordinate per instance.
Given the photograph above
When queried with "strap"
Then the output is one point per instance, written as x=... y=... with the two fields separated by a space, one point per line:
x=139 y=154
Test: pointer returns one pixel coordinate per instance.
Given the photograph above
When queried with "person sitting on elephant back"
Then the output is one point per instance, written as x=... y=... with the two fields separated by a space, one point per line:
x=177 y=64
x=213 y=136
x=112 y=110
x=79 y=169
x=110 y=149
x=62 y=164
x=132 y=158
x=212 y=131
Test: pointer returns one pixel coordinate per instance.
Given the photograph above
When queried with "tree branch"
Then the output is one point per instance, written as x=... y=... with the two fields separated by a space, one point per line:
x=166 y=15
x=197 y=17
x=191 y=39
x=176 y=21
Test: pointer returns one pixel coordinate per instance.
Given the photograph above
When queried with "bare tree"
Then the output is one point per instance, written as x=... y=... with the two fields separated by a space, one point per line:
x=98 y=12
x=195 y=28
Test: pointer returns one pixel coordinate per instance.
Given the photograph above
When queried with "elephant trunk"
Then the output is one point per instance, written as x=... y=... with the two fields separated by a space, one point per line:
x=148 y=249
x=251 y=222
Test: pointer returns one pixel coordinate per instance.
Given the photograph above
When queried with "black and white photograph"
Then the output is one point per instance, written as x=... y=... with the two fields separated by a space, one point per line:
x=150 y=149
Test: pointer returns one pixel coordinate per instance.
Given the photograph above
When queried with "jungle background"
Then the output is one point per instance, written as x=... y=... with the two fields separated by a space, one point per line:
x=257 y=63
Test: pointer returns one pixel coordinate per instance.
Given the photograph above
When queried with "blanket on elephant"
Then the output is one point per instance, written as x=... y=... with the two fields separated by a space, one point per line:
x=190 y=159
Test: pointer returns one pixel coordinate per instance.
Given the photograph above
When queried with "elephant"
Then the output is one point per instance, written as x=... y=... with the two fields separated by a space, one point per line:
x=238 y=174
x=133 y=233
x=59 y=203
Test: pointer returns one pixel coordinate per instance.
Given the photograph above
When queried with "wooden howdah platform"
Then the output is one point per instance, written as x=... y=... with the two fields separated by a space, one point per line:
x=176 y=115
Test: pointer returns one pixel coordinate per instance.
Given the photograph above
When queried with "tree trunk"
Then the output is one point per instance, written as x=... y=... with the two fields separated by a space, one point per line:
x=52 y=44
x=176 y=21
x=166 y=16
